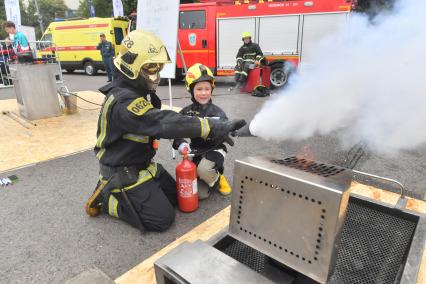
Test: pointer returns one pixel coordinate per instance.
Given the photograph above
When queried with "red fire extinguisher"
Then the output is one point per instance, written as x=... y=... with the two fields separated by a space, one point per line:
x=186 y=184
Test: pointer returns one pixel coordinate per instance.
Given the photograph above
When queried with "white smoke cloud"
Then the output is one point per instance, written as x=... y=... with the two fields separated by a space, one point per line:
x=369 y=82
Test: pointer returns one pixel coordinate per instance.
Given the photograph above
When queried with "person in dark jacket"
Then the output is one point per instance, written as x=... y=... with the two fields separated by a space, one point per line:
x=200 y=83
x=132 y=186
x=107 y=52
x=249 y=55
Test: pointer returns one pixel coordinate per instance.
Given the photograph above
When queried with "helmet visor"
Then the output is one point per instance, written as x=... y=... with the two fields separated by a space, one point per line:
x=152 y=68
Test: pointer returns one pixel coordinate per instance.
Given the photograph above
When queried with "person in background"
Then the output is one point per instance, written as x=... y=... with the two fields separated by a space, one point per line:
x=200 y=83
x=249 y=55
x=19 y=40
x=107 y=52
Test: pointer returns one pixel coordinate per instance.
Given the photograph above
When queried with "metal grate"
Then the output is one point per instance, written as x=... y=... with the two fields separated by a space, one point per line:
x=373 y=247
x=246 y=255
x=310 y=166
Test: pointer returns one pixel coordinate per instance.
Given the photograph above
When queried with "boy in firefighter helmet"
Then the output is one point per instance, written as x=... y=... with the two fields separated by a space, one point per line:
x=132 y=186
x=200 y=83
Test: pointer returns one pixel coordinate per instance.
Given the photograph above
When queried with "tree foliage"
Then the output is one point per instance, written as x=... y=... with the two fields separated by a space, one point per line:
x=49 y=9
x=103 y=8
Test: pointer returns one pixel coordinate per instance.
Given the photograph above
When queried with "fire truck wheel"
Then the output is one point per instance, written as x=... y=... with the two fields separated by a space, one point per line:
x=70 y=70
x=89 y=68
x=278 y=76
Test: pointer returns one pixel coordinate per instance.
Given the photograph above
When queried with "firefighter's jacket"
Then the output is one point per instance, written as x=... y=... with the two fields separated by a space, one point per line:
x=210 y=111
x=250 y=52
x=129 y=122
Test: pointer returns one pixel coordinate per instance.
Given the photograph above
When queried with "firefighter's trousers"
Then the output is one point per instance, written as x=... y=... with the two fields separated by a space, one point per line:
x=109 y=66
x=242 y=70
x=153 y=196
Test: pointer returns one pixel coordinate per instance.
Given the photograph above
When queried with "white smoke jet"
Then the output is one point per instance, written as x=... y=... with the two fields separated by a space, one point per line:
x=368 y=82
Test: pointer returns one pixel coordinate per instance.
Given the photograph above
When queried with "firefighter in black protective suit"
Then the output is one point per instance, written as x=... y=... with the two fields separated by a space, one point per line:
x=249 y=55
x=132 y=186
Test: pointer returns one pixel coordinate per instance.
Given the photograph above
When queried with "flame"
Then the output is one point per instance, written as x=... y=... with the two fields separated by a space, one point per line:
x=306 y=153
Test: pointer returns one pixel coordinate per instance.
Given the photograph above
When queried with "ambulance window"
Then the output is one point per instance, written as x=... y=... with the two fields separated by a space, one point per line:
x=47 y=37
x=118 y=32
x=192 y=20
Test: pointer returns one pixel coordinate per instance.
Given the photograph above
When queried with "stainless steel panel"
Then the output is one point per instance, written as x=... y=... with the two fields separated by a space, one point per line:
x=291 y=210
x=35 y=90
x=198 y=262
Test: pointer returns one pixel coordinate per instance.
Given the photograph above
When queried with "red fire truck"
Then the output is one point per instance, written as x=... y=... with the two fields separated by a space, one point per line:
x=287 y=32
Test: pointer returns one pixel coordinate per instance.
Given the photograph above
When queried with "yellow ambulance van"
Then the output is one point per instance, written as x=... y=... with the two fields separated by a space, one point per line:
x=76 y=41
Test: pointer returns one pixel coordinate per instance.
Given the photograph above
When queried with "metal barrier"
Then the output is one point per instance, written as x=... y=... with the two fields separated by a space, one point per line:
x=41 y=52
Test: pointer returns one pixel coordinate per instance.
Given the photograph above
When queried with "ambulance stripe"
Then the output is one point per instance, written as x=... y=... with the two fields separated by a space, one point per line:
x=74 y=48
x=88 y=26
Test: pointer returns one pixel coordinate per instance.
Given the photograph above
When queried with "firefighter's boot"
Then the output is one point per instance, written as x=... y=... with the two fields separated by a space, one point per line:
x=224 y=187
x=93 y=205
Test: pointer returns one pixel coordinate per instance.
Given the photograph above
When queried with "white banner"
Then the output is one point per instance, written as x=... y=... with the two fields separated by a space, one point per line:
x=13 y=13
x=117 y=5
x=161 y=18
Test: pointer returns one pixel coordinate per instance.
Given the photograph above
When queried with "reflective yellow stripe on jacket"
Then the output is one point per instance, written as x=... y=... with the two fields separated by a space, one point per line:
x=136 y=138
x=205 y=128
x=103 y=126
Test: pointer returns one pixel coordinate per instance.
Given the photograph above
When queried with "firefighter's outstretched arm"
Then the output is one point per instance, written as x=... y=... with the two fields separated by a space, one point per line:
x=140 y=117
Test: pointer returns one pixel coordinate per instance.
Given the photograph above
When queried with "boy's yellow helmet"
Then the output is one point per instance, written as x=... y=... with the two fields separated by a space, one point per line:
x=198 y=73
x=140 y=48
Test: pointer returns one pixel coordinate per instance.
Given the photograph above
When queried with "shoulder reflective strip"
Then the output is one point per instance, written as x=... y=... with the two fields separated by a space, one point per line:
x=144 y=176
x=243 y=72
x=259 y=56
x=238 y=58
x=100 y=153
x=247 y=54
x=136 y=138
x=112 y=206
x=103 y=126
x=205 y=128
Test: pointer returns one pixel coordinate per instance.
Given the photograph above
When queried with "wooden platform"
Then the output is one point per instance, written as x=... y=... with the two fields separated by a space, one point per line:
x=144 y=272
x=40 y=140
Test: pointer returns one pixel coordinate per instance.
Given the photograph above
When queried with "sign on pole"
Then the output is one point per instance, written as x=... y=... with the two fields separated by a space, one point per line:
x=13 y=13
x=161 y=18
x=117 y=6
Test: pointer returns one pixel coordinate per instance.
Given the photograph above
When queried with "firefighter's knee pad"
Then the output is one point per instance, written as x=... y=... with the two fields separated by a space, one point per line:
x=207 y=172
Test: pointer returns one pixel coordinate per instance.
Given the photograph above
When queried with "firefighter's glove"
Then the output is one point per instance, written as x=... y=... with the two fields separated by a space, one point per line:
x=243 y=132
x=221 y=130
x=183 y=146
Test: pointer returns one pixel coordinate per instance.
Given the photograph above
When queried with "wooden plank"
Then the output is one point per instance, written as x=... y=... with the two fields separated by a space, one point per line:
x=144 y=272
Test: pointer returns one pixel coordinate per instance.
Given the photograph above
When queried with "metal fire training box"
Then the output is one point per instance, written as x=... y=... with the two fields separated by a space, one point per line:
x=293 y=221
x=298 y=223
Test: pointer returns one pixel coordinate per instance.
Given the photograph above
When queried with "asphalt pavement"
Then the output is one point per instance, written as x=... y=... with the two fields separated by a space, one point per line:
x=46 y=237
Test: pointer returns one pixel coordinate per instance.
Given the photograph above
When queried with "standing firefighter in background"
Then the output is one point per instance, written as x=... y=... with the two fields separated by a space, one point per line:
x=107 y=52
x=249 y=55
x=132 y=186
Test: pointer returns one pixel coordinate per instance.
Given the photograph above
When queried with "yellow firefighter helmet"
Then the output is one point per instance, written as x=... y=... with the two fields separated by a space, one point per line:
x=198 y=73
x=245 y=34
x=141 y=49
